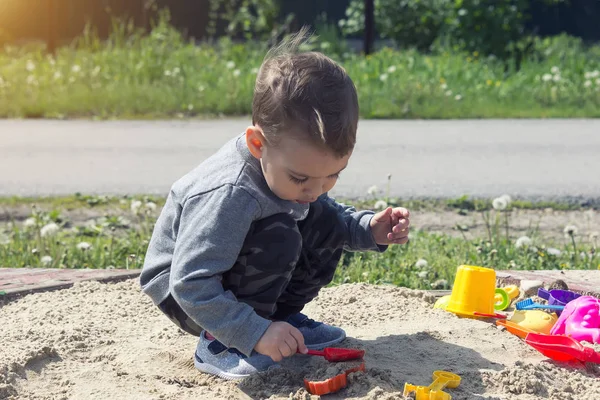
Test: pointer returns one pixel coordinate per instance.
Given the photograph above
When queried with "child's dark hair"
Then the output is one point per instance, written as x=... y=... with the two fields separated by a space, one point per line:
x=305 y=94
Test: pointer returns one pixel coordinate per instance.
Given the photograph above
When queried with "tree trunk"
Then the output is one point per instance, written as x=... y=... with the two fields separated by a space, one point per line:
x=369 y=25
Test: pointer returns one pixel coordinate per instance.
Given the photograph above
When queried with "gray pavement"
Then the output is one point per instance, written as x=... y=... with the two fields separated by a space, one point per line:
x=524 y=158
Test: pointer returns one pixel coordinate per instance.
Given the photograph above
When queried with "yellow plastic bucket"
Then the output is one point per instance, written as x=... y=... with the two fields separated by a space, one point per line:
x=474 y=291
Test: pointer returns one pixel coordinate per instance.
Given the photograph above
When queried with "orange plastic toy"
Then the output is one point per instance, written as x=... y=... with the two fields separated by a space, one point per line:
x=331 y=385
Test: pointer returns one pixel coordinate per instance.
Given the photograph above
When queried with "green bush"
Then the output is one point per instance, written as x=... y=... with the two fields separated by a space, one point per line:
x=247 y=18
x=489 y=27
x=409 y=23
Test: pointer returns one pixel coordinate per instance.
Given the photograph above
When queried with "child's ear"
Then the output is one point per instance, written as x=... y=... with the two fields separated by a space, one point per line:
x=255 y=141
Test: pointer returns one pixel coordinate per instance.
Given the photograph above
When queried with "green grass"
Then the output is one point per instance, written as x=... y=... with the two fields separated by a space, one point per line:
x=463 y=203
x=160 y=75
x=118 y=236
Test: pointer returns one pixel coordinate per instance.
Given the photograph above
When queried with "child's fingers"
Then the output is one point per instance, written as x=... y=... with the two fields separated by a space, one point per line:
x=286 y=349
x=297 y=335
x=393 y=237
x=402 y=240
x=384 y=215
x=401 y=212
x=401 y=226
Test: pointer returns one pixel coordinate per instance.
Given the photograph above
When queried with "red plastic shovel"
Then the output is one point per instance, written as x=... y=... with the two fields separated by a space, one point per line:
x=335 y=354
x=561 y=348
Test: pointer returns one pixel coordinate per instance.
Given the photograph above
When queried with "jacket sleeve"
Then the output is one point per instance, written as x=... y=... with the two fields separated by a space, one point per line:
x=212 y=229
x=360 y=237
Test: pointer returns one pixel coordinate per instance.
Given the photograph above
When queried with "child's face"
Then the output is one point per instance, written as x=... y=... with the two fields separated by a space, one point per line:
x=296 y=170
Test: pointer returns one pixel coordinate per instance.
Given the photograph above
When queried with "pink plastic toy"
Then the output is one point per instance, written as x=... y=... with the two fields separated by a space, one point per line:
x=580 y=320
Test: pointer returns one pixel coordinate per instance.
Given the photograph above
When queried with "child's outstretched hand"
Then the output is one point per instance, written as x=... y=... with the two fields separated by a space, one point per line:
x=281 y=340
x=390 y=226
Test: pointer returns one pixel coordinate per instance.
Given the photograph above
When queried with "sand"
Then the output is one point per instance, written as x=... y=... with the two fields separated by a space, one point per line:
x=107 y=341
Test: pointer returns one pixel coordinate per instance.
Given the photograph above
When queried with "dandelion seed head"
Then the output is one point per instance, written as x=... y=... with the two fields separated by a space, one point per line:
x=135 y=206
x=391 y=69
x=570 y=230
x=84 y=246
x=49 y=229
x=236 y=72
x=29 y=223
x=30 y=66
x=380 y=205
x=383 y=77
x=230 y=65
x=46 y=260
x=499 y=204
x=372 y=191
x=553 y=251
x=421 y=263
x=507 y=198
x=523 y=241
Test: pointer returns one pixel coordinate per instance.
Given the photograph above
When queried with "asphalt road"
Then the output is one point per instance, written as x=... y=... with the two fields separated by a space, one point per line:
x=524 y=158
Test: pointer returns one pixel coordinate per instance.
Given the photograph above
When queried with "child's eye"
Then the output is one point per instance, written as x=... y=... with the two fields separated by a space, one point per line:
x=297 y=181
x=334 y=176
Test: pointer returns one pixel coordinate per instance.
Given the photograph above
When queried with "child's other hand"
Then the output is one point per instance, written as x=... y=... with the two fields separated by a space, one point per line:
x=390 y=226
x=281 y=340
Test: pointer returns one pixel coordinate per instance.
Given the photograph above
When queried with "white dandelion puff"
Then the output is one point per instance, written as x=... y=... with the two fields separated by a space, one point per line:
x=421 y=263
x=547 y=77
x=135 y=206
x=499 y=203
x=570 y=230
x=29 y=223
x=236 y=72
x=84 y=246
x=230 y=65
x=383 y=77
x=46 y=260
x=49 y=229
x=523 y=241
x=553 y=251
x=30 y=66
x=391 y=69
x=372 y=191
x=380 y=205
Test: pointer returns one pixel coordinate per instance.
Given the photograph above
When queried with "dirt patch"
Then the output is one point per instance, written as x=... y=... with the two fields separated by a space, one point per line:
x=107 y=341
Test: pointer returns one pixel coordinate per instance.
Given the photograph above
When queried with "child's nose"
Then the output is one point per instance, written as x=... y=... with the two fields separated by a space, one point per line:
x=315 y=189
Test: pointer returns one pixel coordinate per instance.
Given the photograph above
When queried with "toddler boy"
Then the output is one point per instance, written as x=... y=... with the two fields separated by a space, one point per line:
x=250 y=236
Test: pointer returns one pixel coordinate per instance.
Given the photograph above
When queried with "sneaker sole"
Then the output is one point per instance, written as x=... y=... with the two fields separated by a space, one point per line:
x=321 y=346
x=211 y=369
